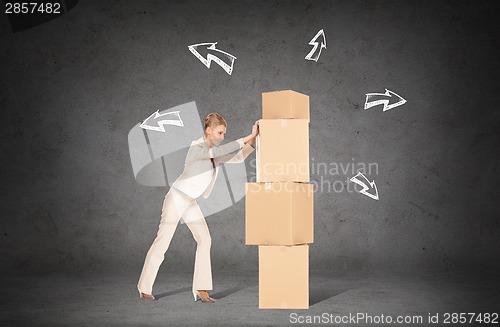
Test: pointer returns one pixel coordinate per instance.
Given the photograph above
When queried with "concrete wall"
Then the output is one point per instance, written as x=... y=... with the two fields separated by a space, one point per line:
x=72 y=88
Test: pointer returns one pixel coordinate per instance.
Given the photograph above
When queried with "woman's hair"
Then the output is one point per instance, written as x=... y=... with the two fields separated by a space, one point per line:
x=213 y=120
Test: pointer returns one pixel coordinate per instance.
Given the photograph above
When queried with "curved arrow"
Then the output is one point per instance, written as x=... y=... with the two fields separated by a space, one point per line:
x=152 y=120
x=314 y=43
x=365 y=188
x=371 y=100
x=210 y=57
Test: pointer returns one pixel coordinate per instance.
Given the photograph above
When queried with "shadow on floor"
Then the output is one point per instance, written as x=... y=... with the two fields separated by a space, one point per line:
x=177 y=291
x=229 y=291
x=218 y=295
x=317 y=295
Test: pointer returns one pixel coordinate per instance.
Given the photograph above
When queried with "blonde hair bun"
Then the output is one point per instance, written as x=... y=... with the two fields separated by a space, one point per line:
x=212 y=120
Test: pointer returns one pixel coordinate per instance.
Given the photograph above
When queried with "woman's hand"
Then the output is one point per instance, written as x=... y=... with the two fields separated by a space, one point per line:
x=255 y=131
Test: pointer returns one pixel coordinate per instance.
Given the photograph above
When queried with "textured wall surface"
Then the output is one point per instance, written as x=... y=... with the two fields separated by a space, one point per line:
x=72 y=88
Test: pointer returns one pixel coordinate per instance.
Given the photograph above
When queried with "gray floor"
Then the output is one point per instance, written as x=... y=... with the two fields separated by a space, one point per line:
x=112 y=300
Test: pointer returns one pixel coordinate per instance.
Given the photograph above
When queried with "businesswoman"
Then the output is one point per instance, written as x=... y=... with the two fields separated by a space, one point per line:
x=200 y=172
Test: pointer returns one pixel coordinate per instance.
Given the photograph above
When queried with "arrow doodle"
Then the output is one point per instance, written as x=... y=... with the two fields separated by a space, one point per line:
x=157 y=125
x=210 y=57
x=371 y=100
x=365 y=187
x=314 y=43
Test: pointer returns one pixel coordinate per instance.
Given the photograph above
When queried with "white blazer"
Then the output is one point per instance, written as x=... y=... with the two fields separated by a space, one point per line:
x=199 y=175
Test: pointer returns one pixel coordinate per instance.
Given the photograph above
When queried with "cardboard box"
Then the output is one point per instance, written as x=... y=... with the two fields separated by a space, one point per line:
x=283 y=150
x=285 y=104
x=284 y=277
x=279 y=213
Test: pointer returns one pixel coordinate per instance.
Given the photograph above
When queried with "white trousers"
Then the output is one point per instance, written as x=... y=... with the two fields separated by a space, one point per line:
x=175 y=206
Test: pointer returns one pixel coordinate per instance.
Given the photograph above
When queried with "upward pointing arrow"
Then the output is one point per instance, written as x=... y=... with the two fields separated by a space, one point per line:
x=315 y=43
x=211 y=47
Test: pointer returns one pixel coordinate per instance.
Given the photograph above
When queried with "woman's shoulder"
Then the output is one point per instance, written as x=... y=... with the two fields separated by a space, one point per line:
x=199 y=142
x=197 y=146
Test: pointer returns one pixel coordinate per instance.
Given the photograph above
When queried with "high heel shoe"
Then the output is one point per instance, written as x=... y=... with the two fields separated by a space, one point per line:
x=206 y=299
x=146 y=297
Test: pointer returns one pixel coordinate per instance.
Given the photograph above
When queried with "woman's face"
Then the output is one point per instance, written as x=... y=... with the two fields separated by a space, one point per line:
x=216 y=134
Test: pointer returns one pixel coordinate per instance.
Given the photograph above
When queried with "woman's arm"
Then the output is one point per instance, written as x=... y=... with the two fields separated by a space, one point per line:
x=202 y=152
x=237 y=157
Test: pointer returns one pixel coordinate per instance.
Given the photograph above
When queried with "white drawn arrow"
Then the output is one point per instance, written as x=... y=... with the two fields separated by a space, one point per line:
x=210 y=57
x=371 y=100
x=314 y=43
x=365 y=188
x=157 y=125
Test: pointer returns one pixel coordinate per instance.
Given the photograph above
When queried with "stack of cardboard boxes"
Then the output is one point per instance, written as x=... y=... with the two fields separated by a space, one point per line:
x=279 y=205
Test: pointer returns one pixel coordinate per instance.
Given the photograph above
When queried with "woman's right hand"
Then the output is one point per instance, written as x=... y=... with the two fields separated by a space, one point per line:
x=255 y=132
x=255 y=129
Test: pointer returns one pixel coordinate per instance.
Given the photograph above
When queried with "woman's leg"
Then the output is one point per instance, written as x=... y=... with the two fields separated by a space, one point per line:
x=202 y=277
x=173 y=207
